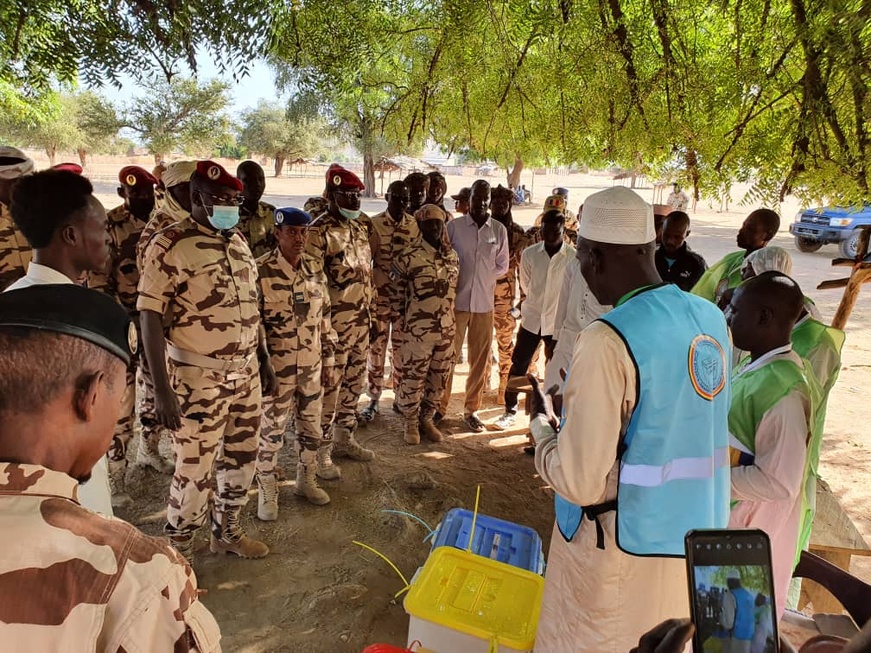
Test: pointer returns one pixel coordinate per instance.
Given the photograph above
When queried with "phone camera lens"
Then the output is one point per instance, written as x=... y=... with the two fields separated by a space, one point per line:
x=729 y=547
x=719 y=546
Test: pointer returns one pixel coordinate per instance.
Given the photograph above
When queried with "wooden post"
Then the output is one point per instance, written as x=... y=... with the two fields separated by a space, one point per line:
x=859 y=276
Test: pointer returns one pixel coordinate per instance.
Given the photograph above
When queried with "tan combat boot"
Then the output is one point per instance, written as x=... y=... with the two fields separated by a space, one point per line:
x=429 y=430
x=117 y=473
x=326 y=468
x=412 y=434
x=184 y=544
x=267 y=497
x=228 y=537
x=307 y=482
x=345 y=446
x=148 y=455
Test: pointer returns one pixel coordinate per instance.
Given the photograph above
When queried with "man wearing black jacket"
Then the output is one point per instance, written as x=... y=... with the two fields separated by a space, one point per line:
x=675 y=261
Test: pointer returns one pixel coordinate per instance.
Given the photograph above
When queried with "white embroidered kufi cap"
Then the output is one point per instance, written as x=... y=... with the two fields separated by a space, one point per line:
x=618 y=216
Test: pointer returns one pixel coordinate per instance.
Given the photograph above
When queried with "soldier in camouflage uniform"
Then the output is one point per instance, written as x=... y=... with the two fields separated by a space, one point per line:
x=506 y=287
x=255 y=216
x=119 y=281
x=391 y=231
x=14 y=249
x=554 y=203
x=72 y=579
x=341 y=243
x=295 y=313
x=551 y=204
x=426 y=275
x=174 y=207
x=316 y=206
x=200 y=277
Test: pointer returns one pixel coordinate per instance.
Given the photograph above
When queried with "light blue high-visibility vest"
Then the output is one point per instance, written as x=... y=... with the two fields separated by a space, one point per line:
x=674 y=457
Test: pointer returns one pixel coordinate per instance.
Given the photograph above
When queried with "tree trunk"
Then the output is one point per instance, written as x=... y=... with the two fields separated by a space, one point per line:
x=52 y=153
x=158 y=157
x=692 y=163
x=279 y=164
x=514 y=173
x=83 y=156
x=369 y=173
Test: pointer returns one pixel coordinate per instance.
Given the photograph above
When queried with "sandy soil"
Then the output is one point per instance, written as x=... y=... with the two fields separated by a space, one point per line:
x=319 y=592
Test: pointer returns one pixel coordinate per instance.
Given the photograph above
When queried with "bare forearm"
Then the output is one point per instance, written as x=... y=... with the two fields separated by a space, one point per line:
x=154 y=346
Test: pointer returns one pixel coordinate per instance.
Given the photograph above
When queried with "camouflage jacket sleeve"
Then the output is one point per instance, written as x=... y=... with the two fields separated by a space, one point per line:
x=172 y=620
x=160 y=276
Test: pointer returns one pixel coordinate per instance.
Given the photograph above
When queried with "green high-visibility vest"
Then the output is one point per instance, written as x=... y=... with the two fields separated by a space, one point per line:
x=816 y=343
x=728 y=269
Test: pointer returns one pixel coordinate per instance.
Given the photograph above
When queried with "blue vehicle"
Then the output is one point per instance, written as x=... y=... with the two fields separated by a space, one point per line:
x=814 y=228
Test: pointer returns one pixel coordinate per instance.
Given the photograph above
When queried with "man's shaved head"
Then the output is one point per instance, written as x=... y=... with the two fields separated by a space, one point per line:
x=763 y=312
x=758 y=229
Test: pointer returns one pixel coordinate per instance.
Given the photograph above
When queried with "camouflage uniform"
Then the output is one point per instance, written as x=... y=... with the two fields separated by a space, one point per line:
x=506 y=298
x=426 y=281
x=71 y=579
x=343 y=247
x=14 y=250
x=258 y=228
x=387 y=239
x=295 y=313
x=120 y=281
x=160 y=219
x=205 y=284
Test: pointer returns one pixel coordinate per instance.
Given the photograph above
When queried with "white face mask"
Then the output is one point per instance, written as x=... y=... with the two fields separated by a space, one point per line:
x=224 y=217
x=349 y=213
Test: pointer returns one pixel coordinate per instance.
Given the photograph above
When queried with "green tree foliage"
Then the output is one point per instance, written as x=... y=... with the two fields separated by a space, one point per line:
x=774 y=92
x=46 y=41
x=182 y=115
x=282 y=133
x=80 y=122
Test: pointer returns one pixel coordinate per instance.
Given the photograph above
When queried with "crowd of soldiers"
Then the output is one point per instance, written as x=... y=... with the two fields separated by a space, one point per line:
x=254 y=318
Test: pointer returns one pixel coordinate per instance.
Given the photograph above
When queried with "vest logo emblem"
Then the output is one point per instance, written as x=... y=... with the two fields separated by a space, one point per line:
x=707 y=366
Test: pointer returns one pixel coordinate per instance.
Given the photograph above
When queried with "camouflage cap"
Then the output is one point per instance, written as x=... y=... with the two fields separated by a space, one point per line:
x=555 y=203
x=74 y=311
x=429 y=212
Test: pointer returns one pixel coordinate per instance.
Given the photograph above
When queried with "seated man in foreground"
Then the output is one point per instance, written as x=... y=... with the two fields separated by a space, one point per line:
x=68 y=574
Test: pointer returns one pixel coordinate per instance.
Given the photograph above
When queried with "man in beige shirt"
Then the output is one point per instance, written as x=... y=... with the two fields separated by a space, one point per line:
x=71 y=578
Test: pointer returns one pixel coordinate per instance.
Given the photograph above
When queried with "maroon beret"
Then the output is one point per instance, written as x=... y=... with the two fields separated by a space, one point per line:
x=68 y=167
x=136 y=176
x=215 y=172
x=339 y=178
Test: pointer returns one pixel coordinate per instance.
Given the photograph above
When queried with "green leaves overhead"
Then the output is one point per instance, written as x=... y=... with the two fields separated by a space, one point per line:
x=772 y=91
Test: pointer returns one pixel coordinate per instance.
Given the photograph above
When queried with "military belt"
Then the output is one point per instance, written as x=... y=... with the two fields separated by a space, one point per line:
x=207 y=362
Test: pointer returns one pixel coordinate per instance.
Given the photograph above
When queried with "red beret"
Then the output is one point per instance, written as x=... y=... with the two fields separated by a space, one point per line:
x=215 y=172
x=340 y=178
x=68 y=167
x=134 y=175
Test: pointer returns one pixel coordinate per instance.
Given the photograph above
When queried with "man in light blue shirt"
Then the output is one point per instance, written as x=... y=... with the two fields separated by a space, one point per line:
x=482 y=246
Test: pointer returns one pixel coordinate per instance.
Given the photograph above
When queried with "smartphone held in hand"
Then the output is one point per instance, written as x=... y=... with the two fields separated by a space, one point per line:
x=731 y=591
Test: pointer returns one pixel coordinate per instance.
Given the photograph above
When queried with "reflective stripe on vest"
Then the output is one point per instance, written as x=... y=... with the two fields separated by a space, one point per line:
x=674 y=470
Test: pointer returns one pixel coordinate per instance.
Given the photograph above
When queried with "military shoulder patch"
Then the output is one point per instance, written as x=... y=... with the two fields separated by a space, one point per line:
x=166 y=238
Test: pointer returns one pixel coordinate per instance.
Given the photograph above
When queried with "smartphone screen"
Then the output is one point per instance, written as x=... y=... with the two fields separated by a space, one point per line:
x=731 y=591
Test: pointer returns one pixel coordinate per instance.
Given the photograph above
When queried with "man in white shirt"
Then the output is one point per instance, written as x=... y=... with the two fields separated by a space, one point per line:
x=482 y=246
x=542 y=268
x=67 y=228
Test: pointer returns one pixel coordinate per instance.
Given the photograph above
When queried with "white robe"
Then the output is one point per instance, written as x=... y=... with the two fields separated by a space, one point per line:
x=598 y=601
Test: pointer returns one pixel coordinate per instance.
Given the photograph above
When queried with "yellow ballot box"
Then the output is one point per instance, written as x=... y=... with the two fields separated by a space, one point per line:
x=460 y=601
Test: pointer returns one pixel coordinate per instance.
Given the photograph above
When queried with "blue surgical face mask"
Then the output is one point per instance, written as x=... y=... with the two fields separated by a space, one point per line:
x=348 y=213
x=224 y=217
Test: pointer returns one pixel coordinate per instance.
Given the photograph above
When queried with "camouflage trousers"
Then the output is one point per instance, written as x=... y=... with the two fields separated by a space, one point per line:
x=343 y=383
x=219 y=435
x=299 y=393
x=387 y=325
x=504 y=325
x=138 y=397
x=426 y=366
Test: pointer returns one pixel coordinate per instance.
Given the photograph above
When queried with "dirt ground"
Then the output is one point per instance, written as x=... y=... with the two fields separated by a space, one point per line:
x=318 y=592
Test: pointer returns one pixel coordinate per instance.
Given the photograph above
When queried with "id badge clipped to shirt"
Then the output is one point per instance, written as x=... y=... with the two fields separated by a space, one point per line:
x=300 y=304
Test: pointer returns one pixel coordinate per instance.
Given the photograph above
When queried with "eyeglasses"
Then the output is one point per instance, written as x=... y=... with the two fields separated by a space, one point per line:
x=223 y=200
x=350 y=194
